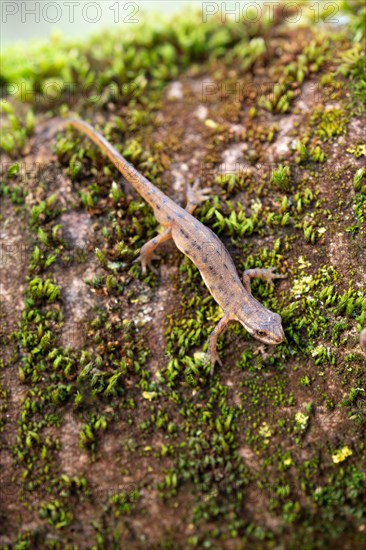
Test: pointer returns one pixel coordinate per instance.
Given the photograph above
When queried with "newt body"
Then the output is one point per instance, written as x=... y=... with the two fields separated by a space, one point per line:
x=204 y=249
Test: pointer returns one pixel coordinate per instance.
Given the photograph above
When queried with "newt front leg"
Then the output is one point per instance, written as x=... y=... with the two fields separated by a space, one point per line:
x=212 y=352
x=195 y=196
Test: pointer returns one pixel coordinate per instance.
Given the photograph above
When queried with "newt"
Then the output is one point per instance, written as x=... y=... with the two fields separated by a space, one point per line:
x=203 y=248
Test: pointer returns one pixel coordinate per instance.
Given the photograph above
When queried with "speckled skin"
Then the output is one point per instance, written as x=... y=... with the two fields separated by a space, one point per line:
x=205 y=250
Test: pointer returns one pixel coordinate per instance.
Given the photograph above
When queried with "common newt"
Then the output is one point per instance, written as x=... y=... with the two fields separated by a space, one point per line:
x=203 y=248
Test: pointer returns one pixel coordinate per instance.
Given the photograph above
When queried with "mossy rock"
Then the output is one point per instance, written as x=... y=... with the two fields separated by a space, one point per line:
x=113 y=433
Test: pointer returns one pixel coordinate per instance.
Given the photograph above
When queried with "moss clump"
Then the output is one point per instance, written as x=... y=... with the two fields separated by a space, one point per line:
x=329 y=124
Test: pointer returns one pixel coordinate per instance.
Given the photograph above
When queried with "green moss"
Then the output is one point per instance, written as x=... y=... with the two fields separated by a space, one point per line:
x=15 y=132
x=352 y=64
x=329 y=123
x=280 y=177
x=318 y=155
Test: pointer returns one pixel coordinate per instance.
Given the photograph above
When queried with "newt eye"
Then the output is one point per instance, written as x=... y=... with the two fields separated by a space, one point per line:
x=261 y=333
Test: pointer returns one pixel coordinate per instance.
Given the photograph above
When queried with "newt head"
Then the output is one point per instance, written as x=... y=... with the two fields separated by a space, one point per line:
x=264 y=325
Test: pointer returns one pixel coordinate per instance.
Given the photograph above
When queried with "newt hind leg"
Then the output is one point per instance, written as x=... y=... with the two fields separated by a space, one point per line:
x=259 y=273
x=195 y=196
x=147 y=252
